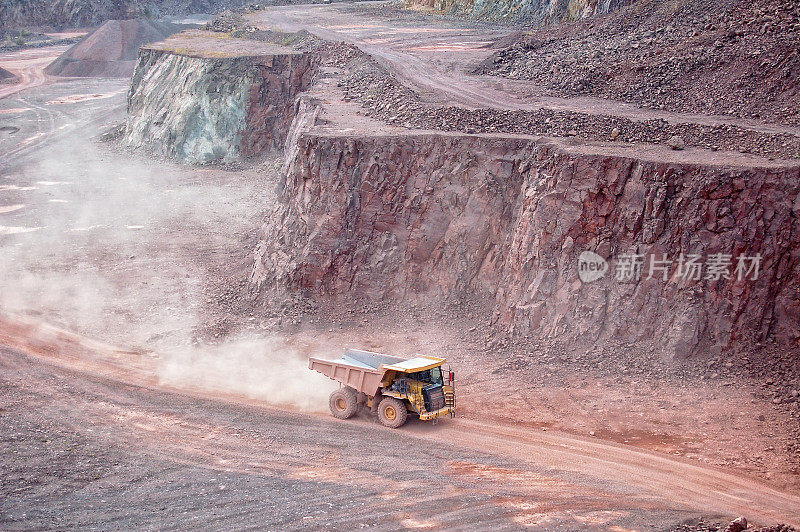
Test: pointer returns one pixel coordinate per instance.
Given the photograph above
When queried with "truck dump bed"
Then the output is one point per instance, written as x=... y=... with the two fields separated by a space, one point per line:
x=364 y=370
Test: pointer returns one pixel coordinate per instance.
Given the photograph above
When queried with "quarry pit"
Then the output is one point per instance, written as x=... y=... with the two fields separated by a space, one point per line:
x=340 y=175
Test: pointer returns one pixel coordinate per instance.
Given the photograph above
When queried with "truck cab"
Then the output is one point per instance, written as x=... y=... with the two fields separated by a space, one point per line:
x=424 y=391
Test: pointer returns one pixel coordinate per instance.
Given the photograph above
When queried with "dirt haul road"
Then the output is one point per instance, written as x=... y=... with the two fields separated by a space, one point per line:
x=28 y=66
x=436 y=56
x=123 y=450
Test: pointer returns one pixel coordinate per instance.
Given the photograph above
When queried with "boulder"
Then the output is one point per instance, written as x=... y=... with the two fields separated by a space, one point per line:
x=676 y=142
x=737 y=525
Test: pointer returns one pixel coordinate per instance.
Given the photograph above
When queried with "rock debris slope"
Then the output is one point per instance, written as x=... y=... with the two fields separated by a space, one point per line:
x=729 y=58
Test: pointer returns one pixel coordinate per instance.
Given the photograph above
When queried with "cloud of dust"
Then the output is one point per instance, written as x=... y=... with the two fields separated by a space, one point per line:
x=124 y=251
x=77 y=268
x=266 y=369
x=125 y=245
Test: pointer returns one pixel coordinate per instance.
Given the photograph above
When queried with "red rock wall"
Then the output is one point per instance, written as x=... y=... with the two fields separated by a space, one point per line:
x=392 y=217
x=614 y=205
x=431 y=215
x=278 y=81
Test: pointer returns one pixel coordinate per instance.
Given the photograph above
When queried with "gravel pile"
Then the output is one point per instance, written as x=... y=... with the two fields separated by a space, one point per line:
x=111 y=50
x=6 y=76
x=731 y=58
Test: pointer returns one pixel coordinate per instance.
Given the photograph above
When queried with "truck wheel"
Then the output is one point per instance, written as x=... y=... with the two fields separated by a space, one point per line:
x=343 y=403
x=392 y=412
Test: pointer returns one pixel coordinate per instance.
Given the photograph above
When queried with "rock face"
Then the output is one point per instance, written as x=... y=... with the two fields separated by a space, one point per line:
x=201 y=108
x=525 y=10
x=111 y=50
x=61 y=13
x=430 y=215
x=619 y=207
x=85 y=13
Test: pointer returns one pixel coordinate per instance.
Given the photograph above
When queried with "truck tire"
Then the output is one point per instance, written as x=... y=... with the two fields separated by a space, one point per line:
x=392 y=412
x=343 y=403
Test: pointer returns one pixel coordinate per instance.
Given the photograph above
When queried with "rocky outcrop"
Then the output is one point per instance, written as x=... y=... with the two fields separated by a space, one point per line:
x=379 y=216
x=620 y=207
x=203 y=107
x=430 y=215
x=539 y=11
x=111 y=50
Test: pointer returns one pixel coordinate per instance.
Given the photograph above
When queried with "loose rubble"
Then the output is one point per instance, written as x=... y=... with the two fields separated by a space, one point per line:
x=730 y=58
x=739 y=524
x=383 y=97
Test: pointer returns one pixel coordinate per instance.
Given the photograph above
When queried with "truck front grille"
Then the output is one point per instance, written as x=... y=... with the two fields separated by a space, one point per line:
x=434 y=397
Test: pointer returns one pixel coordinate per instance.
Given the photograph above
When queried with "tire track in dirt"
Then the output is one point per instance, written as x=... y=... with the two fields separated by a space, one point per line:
x=28 y=66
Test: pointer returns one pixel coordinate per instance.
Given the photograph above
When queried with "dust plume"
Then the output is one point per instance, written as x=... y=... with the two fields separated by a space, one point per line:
x=266 y=369
x=138 y=252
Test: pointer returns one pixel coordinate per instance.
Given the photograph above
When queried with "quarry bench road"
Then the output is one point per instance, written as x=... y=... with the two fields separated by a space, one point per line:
x=435 y=57
x=115 y=444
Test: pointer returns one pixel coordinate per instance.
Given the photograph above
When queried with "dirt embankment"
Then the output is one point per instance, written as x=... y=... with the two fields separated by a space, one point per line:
x=384 y=97
x=203 y=105
x=434 y=215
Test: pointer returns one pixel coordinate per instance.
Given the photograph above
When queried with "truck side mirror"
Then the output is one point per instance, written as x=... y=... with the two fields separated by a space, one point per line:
x=452 y=376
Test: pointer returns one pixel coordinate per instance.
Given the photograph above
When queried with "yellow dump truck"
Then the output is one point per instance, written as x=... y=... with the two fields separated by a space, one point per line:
x=391 y=386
